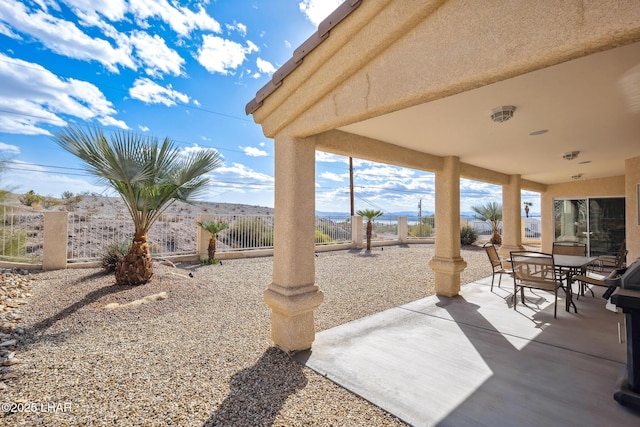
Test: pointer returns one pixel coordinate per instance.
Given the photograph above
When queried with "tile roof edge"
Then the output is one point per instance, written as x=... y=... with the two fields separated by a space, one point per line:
x=324 y=29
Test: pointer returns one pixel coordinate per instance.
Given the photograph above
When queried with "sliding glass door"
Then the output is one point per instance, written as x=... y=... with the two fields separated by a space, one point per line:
x=599 y=222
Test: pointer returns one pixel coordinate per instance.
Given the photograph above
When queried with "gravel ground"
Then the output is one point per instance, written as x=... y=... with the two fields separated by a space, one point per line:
x=202 y=356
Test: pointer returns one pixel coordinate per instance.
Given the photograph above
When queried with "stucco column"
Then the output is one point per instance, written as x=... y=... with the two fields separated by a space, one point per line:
x=54 y=255
x=403 y=229
x=293 y=295
x=447 y=263
x=511 y=218
x=357 y=231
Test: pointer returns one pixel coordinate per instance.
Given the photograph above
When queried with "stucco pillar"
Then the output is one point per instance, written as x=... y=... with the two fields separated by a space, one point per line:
x=632 y=214
x=447 y=263
x=357 y=231
x=293 y=295
x=54 y=255
x=511 y=218
x=403 y=229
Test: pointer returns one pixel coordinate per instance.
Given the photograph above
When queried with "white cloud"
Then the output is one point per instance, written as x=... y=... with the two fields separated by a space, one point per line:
x=90 y=10
x=317 y=10
x=182 y=20
x=238 y=170
x=150 y=92
x=155 y=55
x=256 y=75
x=196 y=103
x=9 y=148
x=334 y=176
x=143 y=128
x=219 y=55
x=262 y=144
x=287 y=43
x=237 y=26
x=265 y=66
x=46 y=183
x=31 y=95
x=64 y=37
x=254 y=152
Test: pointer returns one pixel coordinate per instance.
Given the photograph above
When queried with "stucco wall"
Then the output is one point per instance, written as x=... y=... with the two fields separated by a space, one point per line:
x=632 y=167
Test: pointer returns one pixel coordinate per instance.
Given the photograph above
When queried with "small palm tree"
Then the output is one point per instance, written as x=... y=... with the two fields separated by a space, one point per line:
x=370 y=214
x=148 y=175
x=490 y=213
x=213 y=228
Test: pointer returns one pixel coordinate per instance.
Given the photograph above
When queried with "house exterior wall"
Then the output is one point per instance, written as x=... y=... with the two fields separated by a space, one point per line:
x=632 y=183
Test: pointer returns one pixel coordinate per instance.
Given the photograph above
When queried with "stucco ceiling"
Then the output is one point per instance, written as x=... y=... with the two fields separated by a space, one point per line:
x=591 y=105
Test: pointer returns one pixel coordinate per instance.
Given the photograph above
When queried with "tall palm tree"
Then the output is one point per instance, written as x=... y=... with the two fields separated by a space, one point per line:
x=148 y=175
x=213 y=228
x=490 y=213
x=370 y=214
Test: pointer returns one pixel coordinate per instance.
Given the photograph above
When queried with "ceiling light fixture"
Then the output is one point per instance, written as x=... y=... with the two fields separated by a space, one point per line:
x=570 y=155
x=539 y=132
x=502 y=114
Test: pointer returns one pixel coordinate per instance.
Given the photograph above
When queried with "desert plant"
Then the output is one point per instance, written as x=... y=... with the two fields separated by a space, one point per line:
x=149 y=176
x=370 y=214
x=322 y=237
x=30 y=198
x=491 y=213
x=468 y=235
x=114 y=252
x=213 y=228
x=425 y=229
x=250 y=232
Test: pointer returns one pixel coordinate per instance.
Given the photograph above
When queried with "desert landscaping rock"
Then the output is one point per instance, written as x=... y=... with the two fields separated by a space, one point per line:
x=201 y=357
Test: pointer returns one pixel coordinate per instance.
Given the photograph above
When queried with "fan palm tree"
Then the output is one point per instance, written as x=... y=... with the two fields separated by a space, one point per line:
x=148 y=175
x=213 y=228
x=370 y=214
x=490 y=213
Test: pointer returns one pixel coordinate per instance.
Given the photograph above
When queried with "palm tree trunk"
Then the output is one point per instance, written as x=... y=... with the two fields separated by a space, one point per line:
x=496 y=238
x=211 y=249
x=369 y=231
x=136 y=267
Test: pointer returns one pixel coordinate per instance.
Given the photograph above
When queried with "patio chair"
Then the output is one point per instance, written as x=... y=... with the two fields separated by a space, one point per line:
x=496 y=263
x=569 y=248
x=596 y=279
x=535 y=270
x=613 y=261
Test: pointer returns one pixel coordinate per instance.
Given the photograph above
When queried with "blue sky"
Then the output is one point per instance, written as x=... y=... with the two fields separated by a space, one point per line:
x=178 y=69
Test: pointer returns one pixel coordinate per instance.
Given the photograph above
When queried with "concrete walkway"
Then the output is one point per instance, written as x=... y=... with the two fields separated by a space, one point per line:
x=474 y=361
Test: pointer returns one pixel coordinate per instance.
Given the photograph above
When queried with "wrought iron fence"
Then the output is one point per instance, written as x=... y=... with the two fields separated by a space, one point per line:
x=421 y=227
x=91 y=235
x=22 y=234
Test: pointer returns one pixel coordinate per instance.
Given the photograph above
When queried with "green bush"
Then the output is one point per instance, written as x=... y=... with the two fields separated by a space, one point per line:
x=114 y=252
x=421 y=230
x=30 y=198
x=248 y=232
x=468 y=235
x=322 y=237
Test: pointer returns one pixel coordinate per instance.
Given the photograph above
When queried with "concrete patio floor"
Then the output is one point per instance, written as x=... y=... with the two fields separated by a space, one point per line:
x=474 y=361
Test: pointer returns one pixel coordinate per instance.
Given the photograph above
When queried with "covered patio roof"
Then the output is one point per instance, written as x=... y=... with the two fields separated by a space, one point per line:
x=414 y=83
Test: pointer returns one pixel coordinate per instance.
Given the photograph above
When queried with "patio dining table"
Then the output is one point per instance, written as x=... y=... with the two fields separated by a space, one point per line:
x=571 y=265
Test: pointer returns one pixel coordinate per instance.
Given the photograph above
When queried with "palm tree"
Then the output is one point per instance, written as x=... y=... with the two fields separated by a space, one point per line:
x=491 y=213
x=148 y=175
x=370 y=214
x=213 y=228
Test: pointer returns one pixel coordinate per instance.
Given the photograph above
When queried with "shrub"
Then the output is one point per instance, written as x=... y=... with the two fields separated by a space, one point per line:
x=421 y=230
x=30 y=198
x=322 y=237
x=468 y=235
x=248 y=232
x=114 y=252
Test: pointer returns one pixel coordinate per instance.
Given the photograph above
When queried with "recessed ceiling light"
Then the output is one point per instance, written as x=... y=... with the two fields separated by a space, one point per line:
x=502 y=114
x=539 y=132
x=584 y=162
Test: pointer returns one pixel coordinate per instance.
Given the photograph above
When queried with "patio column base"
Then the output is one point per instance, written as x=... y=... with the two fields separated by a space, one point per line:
x=447 y=274
x=292 y=327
